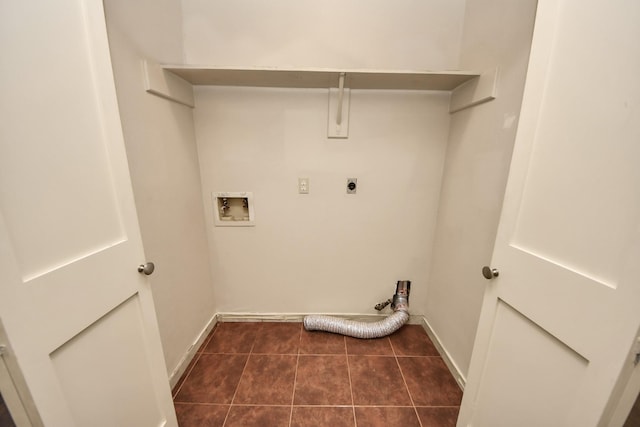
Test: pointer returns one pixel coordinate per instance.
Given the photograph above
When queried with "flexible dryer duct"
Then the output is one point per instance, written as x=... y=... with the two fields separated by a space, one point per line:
x=352 y=328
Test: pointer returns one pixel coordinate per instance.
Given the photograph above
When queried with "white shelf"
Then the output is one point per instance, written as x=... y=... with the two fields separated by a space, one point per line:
x=321 y=78
x=468 y=89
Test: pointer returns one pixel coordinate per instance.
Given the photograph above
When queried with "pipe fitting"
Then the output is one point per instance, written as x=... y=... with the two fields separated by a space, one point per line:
x=380 y=306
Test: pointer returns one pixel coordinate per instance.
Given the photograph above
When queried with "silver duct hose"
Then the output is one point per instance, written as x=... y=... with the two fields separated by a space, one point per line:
x=352 y=328
x=356 y=329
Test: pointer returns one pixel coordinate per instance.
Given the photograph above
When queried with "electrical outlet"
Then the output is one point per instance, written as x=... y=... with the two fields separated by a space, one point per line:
x=352 y=185
x=303 y=185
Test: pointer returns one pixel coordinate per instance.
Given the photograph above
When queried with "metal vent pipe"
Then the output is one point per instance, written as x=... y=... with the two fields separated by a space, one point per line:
x=366 y=330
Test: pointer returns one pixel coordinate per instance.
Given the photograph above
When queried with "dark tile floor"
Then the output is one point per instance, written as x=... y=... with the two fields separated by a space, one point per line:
x=278 y=374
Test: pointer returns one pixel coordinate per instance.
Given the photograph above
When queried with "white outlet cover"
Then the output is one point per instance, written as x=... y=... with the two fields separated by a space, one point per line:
x=303 y=185
x=354 y=181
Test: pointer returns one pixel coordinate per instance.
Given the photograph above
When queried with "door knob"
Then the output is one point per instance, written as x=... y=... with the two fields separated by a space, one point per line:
x=489 y=273
x=146 y=269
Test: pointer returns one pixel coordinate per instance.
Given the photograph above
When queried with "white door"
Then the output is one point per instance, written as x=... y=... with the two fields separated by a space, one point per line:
x=559 y=320
x=78 y=315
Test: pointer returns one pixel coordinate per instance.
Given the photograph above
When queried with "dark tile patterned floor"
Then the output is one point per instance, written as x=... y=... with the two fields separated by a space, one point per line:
x=278 y=374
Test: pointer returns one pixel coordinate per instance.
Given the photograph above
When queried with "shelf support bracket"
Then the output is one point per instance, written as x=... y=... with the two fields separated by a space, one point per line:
x=167 y=85
x=340 y=96
x=338 y=123
x=475 y=91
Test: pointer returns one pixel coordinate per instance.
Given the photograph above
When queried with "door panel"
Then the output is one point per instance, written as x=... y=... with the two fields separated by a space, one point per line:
x=55 y=134
x=568 y=243
x=92 y=389
x=79 y=317
x=554 y=375
x=581 y=151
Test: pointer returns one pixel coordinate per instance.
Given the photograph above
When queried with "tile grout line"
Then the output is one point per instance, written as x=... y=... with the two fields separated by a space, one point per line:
x=195 y=361
x=353 y=402
x=186 y=377
x=413 y=404
x=295 y=377
x=226 y=417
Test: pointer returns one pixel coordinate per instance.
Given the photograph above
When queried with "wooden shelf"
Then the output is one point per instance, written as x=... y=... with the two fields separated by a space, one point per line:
x=321 y=78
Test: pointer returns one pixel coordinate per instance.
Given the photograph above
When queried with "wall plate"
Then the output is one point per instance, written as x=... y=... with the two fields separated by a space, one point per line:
x=352 y=185
x=233 y=209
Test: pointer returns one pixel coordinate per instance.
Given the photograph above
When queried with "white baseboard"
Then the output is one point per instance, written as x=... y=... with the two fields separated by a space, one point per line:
x=297 y=317
x=191 y=352
x=260 y=317
x=453 y=368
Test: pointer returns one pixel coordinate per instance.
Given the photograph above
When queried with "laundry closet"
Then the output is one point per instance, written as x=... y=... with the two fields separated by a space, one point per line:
x=298 y=157
x=263 y=122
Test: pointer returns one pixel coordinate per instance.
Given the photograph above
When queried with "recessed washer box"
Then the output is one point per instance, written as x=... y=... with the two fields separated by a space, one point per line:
x=233 y=209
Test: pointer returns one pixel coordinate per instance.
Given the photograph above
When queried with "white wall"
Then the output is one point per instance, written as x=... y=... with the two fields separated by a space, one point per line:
x=163 y=160
x=496 y=32
x=383 y=34
x=325 y=251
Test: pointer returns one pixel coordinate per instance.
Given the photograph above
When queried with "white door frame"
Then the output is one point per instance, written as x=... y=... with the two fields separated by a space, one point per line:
x=561 y=135
x=626 y=391
x=80 y=318
x=13 y=387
